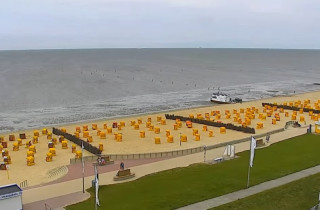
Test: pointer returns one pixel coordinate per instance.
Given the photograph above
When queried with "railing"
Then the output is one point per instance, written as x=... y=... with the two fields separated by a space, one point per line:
x=175 y=153
x=23 y=184
x=87 y=158
x=143 y=155
x=244 y=139
x=57 y=171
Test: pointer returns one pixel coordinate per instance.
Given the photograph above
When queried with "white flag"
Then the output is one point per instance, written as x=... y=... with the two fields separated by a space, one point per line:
x=253 y=146
x=97 y=186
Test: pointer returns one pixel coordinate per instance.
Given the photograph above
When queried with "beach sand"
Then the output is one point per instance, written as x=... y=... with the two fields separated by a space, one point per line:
x=132 y=143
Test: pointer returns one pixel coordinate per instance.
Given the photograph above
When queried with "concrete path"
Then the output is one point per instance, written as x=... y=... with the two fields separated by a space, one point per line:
x=58 y=202
x=224 y=199
x=72 y=187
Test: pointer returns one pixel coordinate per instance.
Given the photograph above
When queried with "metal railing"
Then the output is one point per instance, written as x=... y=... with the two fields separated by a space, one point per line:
x=23 y=184
x=175 y=153
x=143 y=155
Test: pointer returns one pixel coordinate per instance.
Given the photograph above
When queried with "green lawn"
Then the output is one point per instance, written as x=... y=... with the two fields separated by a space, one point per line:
x=301 y=194
x=182 y=186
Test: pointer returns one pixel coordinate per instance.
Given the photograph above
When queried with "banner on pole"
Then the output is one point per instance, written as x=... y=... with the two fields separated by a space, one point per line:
x=253 y=146
x=97 y=186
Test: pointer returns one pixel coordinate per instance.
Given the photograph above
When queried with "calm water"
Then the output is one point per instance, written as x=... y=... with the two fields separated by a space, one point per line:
x=48 y=87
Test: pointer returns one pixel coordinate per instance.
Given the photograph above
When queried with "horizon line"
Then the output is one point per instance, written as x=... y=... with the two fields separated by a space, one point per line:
x=141 y=48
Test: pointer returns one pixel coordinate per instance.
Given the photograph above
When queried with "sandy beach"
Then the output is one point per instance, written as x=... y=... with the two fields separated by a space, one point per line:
x=132 y=143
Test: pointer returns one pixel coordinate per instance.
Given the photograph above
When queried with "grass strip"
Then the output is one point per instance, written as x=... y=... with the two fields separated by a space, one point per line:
x=300 y=194
x=182 y=186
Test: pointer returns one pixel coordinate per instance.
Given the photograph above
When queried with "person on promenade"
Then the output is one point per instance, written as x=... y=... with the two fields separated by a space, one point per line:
x=99 y=161
x=103 y=161
x=121 y=166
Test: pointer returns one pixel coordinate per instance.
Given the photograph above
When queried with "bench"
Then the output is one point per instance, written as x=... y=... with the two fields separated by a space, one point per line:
x=218 y=160
x=123 y=174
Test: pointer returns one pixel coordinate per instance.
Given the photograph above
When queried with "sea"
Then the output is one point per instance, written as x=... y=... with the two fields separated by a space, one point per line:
x=46 y=88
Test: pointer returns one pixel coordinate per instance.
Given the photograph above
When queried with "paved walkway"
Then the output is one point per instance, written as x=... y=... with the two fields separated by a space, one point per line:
x=224 y=199
x=70 y=188
x=57 y=202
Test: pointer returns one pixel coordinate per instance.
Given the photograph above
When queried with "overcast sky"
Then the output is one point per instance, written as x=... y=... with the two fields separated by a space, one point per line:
x=39 y=24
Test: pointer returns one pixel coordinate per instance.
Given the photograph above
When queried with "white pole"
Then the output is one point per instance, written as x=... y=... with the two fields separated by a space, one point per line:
x=82 y=167
x=249 y=164
x=95 y=172
x=248 y=177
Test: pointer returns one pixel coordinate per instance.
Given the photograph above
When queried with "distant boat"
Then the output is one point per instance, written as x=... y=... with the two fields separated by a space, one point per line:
x=221 y=98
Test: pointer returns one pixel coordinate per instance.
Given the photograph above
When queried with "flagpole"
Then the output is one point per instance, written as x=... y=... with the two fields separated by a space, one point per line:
x=82 y=168
x=248 y=176
x=249 y=163
x=95 y=171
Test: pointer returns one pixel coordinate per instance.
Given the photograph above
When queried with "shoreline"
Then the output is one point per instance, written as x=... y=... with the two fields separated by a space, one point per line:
x=132 y=143
x=119 y=117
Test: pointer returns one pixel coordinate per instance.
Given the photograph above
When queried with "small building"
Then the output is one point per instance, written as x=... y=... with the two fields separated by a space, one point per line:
x=10 y=197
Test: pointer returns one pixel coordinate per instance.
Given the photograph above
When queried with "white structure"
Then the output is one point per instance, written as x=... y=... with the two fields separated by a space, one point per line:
x=229 y=151
x=220 y=98
x=10 y=197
